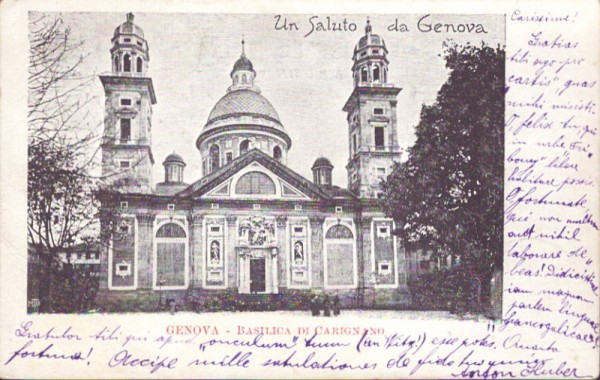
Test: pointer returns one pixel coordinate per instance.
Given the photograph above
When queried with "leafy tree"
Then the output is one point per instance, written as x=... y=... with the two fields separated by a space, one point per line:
x=448 y=195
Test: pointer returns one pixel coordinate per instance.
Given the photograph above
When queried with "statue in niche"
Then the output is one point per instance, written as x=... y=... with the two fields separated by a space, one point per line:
x=256 y=231
x=298 y=253
x=215 y=252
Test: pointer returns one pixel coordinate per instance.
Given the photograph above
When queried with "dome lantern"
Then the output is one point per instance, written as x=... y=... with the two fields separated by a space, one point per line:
x=322 y=169
x=174 y=165
x=243 y=73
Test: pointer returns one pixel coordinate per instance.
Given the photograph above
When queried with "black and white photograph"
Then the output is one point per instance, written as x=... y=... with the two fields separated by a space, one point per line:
x=210 y=162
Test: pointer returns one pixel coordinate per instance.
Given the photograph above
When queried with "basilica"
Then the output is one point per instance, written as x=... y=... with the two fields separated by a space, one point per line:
x=250 y=225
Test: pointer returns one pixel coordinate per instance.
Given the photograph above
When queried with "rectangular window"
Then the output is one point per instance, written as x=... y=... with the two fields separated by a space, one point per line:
x=354 y=145
x=375 y=51
x=124 y=164
x=171 y=207
x=127 y=39
x=125 y=130
x=125 y=102
x=379 y=137
x=124 y=205
x=214 y=206
x=229 y=157
x=378 y=111
x=338 y=209
x=298 y=207
x=215 y=229
x=298 y=230
x=139 y=43
x=256 y=207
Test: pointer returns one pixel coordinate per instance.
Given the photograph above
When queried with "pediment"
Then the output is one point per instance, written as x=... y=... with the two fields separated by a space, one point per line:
x=271 y=180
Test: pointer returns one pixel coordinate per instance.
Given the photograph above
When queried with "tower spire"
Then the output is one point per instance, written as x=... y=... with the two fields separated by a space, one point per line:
x=243 y=49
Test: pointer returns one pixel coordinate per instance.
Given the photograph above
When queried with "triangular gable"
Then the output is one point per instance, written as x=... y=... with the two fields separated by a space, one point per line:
x=221 y=183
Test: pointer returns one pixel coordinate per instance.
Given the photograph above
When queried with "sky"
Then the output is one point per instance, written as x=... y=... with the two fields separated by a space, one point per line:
x=306 y=76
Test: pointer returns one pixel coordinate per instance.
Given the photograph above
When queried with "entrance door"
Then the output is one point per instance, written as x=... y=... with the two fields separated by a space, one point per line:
x=257 y=275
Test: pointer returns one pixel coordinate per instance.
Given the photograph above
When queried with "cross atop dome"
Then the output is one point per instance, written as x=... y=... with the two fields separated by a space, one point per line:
x=368 y=28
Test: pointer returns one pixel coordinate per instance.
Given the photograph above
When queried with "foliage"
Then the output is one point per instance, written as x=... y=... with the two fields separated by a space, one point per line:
x=455 y=290
x=448 y=194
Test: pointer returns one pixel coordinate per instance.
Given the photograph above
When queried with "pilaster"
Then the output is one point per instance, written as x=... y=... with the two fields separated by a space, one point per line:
x=316 y=238
x=145 y=240
x=231 y=271
x=196 y=222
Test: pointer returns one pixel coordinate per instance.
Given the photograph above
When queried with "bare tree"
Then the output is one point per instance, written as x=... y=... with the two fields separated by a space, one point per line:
x=62 y=204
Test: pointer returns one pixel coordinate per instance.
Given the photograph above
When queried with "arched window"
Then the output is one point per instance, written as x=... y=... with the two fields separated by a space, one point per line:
x=214 y=154
x=277 y=153
x=244 y=146
x=127 y=63
x=236 y=79
x=339 y=231
x=255 y=183
x=243 y=78
x=376 y=73
x=116 y=64
x=170 y=230
x=171 y=257
x=364 y=74
x=139 y=64
x=340 y=257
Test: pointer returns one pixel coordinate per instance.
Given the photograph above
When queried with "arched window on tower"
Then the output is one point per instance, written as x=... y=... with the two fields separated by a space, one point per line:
x=277 y=153
x=244 y=146
x=127 y=63
x=364 y=74
x=236 y=79
x=384 y=76
x=116 y=64
x=376 y=73
x=243 y=78
x=140 y=64
x=214 y=158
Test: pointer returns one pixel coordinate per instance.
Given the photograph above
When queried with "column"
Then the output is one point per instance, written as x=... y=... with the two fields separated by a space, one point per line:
x=282 y=257
x=145 y=247
x=231 y=270
x=316 y=260
x=196 y=222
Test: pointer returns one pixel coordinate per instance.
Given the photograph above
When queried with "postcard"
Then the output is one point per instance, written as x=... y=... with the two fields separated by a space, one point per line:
x=299 y=190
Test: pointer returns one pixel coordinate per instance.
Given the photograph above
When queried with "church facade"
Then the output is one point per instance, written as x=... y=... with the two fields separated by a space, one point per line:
x=250 y=224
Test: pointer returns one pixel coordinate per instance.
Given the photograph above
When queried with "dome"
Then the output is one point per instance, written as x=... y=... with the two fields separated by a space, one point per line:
x=322 y=161
x=174 y=158
x=242 y=63
x=128 y=27
x=243 y=103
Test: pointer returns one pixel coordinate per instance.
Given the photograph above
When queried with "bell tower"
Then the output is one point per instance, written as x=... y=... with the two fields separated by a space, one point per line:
x=129 y=95
x=371 y=116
